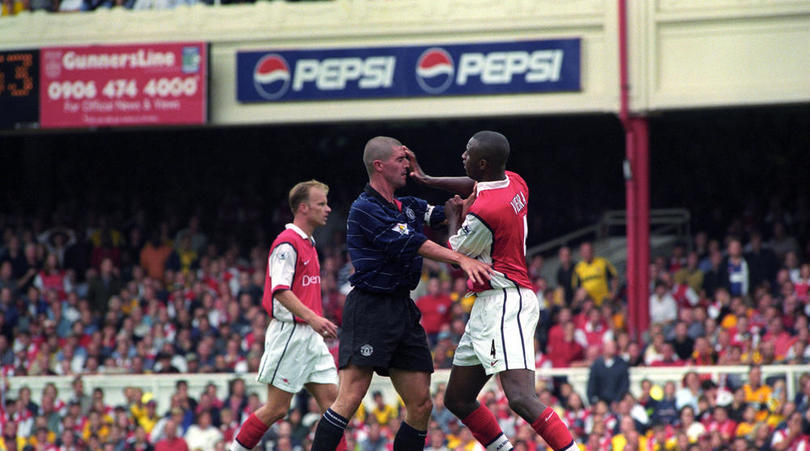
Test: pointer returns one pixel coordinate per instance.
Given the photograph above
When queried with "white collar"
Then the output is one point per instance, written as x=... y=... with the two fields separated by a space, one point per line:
x=496 y=184
x=300 y=232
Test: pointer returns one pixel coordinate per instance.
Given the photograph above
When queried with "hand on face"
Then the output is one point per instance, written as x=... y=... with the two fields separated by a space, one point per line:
x=416 y=173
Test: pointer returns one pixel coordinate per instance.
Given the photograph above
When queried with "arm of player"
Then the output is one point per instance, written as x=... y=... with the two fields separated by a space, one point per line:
x=475 y=270
x=452 y=212
x=454 y=216
x=320 y=324
x=281 y=268
x=473 y=238
x=459 y=185
x=432 y=215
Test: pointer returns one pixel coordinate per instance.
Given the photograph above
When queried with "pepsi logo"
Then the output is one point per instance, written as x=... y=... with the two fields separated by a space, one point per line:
x=434 y=70
x=271 y=76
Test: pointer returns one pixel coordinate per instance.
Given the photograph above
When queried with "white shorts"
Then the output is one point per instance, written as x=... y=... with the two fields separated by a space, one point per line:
x=295 y=355
x=500 y=333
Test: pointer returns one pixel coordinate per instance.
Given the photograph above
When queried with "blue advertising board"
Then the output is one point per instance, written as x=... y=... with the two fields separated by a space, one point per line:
x=513 y=67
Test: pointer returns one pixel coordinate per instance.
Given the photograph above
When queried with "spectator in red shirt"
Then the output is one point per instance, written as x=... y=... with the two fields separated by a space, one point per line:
x=51 y=277
x=565 y=350
x=792 y=437
x=595 y=331
x=782 y=341
x=435 y=308
x=802 y=285
x=105 y=249
x=154 y=254
x=172 y=442
x=555 y=332
x=722 y=423
x=667 y=357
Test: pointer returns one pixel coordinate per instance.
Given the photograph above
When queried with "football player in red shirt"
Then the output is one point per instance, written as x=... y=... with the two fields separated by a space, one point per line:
x=499 y=337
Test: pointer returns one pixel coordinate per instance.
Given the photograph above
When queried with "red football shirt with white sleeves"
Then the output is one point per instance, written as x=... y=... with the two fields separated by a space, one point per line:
x=292 y=265
x=494 y=231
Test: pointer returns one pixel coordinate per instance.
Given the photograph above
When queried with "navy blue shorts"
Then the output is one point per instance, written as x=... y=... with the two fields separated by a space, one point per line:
x=382 y=331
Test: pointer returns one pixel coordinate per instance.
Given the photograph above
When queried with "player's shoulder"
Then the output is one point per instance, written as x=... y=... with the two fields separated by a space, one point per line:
x=488 y=206
x=515 y=178
x=287 y=237
x=413 y=206
x=287 y=234
x=361 y=200
x=283 y=247
x=365 y=203
x=412 y=200
x=492 y=202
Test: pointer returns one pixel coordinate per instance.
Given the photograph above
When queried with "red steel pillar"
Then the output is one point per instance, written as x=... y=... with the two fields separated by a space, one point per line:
x=637 y=195
x=642 y=171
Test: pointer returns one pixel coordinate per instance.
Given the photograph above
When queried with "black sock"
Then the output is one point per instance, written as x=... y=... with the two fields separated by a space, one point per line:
x=408 y=438
x=329 y=431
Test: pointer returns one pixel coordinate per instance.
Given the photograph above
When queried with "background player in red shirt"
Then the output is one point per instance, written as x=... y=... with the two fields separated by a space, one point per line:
x=295 y=354
x=499 y=337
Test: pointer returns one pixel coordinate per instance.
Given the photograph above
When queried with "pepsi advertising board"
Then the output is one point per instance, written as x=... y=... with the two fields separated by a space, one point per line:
x=514 y=67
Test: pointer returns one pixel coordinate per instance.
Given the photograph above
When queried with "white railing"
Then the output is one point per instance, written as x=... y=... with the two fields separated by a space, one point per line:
x=662 y=221
x=162 y=386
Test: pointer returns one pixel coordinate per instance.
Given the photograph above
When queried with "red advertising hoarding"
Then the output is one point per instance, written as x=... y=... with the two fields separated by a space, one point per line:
x=124 y=85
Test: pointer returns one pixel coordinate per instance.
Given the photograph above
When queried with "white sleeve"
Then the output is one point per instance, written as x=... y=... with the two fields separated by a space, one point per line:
x=281 y=266
x=473 y=238
x=428 y=213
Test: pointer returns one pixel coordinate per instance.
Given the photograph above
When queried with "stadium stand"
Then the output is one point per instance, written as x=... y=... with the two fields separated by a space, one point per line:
x=86 y=304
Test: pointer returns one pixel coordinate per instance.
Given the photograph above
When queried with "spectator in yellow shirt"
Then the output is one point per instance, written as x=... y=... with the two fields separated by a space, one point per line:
x=596 y=275
x=464 y=441
x=381 y=411
x=690 y=274
x=40 y=440
x=757 y=392
x=746 y=427
x=13 y=7
x=150 y=418
x=628 y=436
x=95 y=426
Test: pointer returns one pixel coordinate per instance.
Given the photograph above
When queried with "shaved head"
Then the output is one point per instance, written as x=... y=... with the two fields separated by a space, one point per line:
x=378 y=148
x=490 y=146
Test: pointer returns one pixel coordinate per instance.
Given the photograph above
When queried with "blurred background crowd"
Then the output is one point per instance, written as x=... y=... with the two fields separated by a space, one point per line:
x=108 y=293
x=14 y=7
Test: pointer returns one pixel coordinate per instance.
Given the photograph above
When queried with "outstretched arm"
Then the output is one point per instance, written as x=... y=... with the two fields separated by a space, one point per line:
x=459 y=185
x=475 y=270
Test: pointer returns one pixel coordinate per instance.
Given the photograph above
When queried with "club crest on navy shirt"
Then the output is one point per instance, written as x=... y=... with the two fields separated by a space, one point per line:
x=401 y=228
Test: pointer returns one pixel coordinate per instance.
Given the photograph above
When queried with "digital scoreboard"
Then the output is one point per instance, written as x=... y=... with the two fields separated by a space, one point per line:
x=19 y=89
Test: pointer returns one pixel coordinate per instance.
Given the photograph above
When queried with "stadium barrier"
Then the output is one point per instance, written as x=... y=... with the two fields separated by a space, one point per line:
x=163 y=385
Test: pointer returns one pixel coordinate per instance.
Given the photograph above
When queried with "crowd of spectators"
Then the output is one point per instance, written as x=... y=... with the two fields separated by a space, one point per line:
x=112 y=295
x=14 y=7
